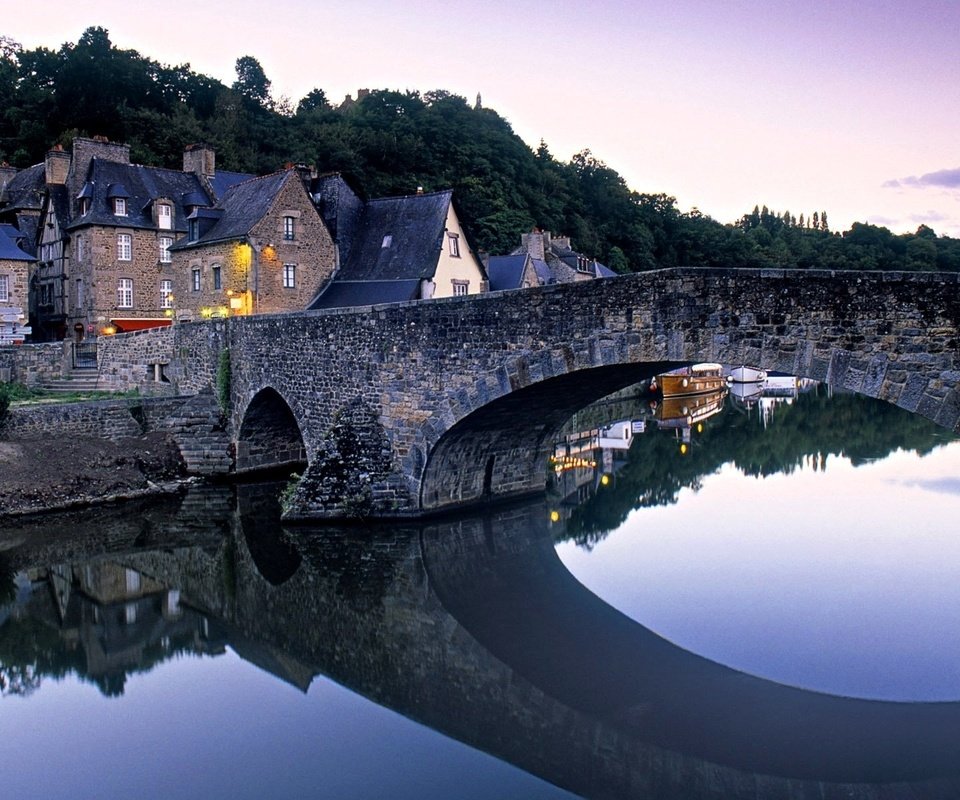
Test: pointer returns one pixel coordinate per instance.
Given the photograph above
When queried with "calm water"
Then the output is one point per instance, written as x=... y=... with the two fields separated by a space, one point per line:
x=769 y=601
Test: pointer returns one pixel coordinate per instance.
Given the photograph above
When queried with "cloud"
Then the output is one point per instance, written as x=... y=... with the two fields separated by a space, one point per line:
x=941 y=179
x=936 y=485
x=930 y=216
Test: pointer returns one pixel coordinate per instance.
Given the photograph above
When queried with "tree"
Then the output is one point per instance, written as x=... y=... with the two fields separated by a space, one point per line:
x=315 y=100
x=252 y=82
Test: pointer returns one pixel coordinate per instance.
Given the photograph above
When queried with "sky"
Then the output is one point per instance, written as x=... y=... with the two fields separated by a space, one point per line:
x=849 y=108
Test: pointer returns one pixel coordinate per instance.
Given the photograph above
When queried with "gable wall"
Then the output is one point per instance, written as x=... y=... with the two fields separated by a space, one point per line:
x=450 y=269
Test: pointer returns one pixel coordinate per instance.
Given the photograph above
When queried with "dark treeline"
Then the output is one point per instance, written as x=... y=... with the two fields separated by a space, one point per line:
x=815 y=426
x=391 y=142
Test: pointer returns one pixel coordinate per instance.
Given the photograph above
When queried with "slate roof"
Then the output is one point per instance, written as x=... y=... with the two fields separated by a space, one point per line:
x=142 y=186
x=415 y=225
x=9 y=251
x=544 y=273
x=342 y=294
x=221 y=181
x=242 y=207
x=506 y=272
x=605 y=272
x=24 y=190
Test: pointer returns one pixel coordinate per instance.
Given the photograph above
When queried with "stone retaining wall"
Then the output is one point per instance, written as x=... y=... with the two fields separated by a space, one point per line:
x=33 y=364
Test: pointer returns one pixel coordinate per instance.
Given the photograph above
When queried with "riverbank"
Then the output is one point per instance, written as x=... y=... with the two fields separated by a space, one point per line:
x=50 y=473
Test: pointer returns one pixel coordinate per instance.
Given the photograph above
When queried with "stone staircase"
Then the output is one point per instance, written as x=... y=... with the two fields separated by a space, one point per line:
x=77 y=379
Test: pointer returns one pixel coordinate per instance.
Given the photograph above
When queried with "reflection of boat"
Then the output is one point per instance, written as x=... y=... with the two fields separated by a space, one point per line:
x=745 y=374
x=685 y=411
x=746 y=393
x=695 y=379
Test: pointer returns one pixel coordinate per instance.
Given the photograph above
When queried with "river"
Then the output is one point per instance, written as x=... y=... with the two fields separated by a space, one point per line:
x=764 y=603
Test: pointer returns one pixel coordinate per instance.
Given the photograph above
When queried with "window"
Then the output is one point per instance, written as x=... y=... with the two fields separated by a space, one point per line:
x=460 y=288
x=166 y=293
x=194 y=232
x=165 y=243
x=454 y=242
x=83 y=205
x=81 y=299
x=4 y=288
x=125 y=293
x=124 y=247
x=81 y=248
x=288 y=228
x=216 y=277
x=289 y=276
x=120 y=206
x=195 y=279
x=387 y=241
x=165 y=217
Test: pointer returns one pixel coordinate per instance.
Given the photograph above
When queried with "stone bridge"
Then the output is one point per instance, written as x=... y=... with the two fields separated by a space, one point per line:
x=415 y=408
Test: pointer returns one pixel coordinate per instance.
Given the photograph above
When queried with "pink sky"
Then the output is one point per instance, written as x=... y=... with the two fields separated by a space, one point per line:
x=851 y=108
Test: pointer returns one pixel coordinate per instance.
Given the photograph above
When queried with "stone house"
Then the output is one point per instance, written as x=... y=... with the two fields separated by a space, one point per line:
x=262 y=249
x=564 y=263
x=396 y=248
x=15 y=264
x=104 y=229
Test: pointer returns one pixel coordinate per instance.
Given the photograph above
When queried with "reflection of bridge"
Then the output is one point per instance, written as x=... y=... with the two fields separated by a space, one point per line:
x=415 y=407
x=474 y=628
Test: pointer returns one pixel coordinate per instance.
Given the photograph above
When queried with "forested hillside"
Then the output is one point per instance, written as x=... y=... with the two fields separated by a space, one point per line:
x=391 y=142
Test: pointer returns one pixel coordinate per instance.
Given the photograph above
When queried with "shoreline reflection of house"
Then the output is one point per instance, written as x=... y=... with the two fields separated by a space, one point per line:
x=586 y=460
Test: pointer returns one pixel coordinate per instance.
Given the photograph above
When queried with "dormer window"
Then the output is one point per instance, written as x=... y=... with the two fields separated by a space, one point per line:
x=120 y=206
x=83 y=205
x=165 y=216
x=387 y=241
x=194 y=230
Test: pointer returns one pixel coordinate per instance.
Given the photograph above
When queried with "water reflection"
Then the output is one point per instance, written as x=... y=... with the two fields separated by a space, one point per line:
x=471 y=626
x=673 y=444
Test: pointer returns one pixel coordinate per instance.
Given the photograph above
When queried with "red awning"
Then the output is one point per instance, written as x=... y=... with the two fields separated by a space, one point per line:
x=127 y=325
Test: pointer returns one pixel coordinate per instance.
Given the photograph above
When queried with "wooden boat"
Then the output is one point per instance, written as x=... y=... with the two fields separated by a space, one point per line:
x=684 y=411
x=745 y=374
x=695 y=379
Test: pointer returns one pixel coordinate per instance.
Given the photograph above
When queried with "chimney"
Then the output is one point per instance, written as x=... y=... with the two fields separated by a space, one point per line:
x=85 y=150
x=200 y=159
x=57 y=166
x=307 y=173
x=532 y=243
x=6 y=174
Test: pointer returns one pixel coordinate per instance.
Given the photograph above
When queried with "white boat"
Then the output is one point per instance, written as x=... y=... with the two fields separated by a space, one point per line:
x=745 y=374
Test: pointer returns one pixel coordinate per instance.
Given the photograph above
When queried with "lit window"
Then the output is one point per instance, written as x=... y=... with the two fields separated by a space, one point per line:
x=125 y=293
x=289 y=276
x=124 y=247
x=216 y=277
x=166 y=293
x=4 y=288
x=288 y=229
x=460 y=288
x=165 y=244
x=120 y=206
x=165 y=217
x=195 y=279
x=454 y=242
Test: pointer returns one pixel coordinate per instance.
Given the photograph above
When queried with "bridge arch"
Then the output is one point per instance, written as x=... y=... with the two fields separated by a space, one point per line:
x=492 y=442
x=269 y=435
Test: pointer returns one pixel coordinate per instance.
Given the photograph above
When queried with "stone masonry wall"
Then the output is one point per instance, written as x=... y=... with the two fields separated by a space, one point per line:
x=110 y=419
x=33 y=364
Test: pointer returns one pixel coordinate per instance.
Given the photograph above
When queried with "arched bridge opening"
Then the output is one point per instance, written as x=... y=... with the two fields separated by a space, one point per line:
x=269 y=437
x=500 y=450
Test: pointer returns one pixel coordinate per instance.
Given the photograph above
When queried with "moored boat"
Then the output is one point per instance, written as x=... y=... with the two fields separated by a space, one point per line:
x=696 y=379
x=745 y=374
